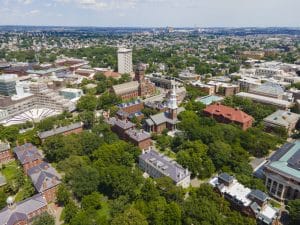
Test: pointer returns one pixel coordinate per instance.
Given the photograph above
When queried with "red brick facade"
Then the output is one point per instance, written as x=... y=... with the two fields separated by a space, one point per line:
x=31 y=164
x=75 y=131
x=50 y=194
x=6 y=156
x=225 y=114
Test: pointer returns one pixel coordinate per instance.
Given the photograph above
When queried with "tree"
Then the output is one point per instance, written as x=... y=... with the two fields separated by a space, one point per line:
x=63 y=195
x=92 y=201
x=44 y=219
x=130 y=216
x=70 y=211
x=87 y=102
x=83 y=181
x=193 y=155
x=3 y=198
x=54 y=148
x=294 y=211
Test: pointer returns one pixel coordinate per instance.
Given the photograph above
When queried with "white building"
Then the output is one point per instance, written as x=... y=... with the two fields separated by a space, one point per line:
x=158 y=165
x=125 y=61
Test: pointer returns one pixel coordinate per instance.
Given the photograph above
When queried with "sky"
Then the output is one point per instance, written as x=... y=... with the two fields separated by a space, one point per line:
x=151 y=13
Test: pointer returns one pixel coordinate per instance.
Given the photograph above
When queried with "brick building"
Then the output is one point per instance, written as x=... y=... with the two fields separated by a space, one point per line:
x=74 y=128
x=127 y=131
x=225 y=114
x=165 y=120
x=28 y=155
x=140 y=87
x=5 y=153
x=24 y=212
x=131 y=109
x=45 y=180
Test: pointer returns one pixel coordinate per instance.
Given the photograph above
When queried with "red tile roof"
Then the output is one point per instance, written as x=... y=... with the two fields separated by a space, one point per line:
x=230 y=113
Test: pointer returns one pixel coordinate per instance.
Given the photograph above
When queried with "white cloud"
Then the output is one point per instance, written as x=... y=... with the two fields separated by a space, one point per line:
x=33 y=12
x=26 y=2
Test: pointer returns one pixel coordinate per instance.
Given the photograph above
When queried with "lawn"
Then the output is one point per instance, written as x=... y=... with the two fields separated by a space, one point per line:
x=10 y=170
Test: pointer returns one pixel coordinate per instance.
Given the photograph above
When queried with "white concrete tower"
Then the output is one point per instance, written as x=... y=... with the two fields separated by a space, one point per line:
x=125 y=61
x=172 y=104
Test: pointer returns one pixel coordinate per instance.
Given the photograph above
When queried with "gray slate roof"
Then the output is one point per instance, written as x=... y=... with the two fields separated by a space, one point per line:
x=4 y=146
x=258 y=194
x=22 y=210
x=165 y=164
x=27 y=153
x=162 y=117
x=44 y=177
x=59 y=130
x=138 y=135
x=124 y=124
x=126 y=87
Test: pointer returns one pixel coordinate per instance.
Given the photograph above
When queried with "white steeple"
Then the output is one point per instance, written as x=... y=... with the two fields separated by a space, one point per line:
x=172 y=104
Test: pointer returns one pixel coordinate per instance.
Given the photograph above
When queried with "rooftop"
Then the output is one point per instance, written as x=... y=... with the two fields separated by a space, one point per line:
x=44 y=177
x=286 y=160
x=230 y=113
x=209 y=99
x=266 y=100
x=138 y=135
x=165 y=165
x=59 y=130
x=27 y=153
x=282 y=118
x=22 y=210
x=126 y=87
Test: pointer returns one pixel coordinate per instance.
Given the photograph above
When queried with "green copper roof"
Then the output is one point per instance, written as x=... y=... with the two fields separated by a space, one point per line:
x=282 y=164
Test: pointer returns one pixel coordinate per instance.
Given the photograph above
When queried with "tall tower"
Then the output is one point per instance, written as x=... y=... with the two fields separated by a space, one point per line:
x=139 y=73
x=172 y=104
x=124 y=61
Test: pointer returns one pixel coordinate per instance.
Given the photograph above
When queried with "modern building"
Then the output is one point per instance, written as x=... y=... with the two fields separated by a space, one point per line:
x=24 y=212
x=282 y=172
x=45 y=180
x=158 y=165
x=5 y=153
x=253 y=203
x=165 y=120
x=8 y=84
x=187 y=75
x=71 y=93
x=125 y=61
x=40 y=103
x=226 y=114
x=279 y=103
x=28 y=155
x=74 y=128
x=282 y=118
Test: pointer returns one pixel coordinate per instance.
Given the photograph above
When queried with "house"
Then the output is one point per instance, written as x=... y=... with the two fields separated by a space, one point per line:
x=165 y=120
x=282 y=118
x=5 y=153
x=23 y=213
x=28 y=155
x=158 y=165
x=282 y=172
x=253 y=203
x=226 y=114
x=45 y=180
x=74 y=128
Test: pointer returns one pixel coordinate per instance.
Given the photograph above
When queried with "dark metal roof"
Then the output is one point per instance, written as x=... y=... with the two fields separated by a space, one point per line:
x=258 y=194
x=281 y=151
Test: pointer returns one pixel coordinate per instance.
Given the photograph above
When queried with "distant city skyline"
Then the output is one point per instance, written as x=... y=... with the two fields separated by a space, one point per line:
x=151 y=13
